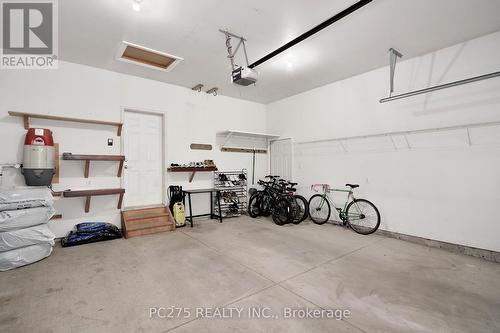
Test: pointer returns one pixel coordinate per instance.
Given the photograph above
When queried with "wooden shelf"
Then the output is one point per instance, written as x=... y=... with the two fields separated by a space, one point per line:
x=88 y=158
x=243 y=150
x=91 y=193
x=193 y=170
x=26 y=117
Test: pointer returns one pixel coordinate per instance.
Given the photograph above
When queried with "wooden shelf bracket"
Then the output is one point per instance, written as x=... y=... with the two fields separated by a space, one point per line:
x=193 y=170
x=88 y=194
x=88 y=158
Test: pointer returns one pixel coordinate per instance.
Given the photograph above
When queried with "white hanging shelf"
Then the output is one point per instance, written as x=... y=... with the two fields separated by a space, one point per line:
x=251 y=135
x=405 y=133
x=248 y=134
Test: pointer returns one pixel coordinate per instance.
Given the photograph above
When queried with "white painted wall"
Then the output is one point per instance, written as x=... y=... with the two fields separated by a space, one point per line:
x=86 y=92
x=440 y=189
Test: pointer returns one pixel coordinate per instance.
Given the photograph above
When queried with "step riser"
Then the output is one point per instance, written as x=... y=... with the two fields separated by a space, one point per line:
x=148 y=231
x=149 y=216
x=148 y=226
x=130 y=214
x=157 y=220
x=147 y=221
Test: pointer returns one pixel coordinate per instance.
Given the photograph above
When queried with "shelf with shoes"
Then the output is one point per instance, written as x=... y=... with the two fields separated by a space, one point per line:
x=233 y=192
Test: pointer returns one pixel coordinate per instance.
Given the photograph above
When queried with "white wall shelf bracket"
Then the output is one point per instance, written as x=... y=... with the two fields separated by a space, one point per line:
x=407 y=142
x=469 y=141
x=393 y=143
x=343 y=146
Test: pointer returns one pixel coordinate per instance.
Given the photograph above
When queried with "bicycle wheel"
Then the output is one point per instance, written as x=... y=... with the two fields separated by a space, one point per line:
x=265 y=205
x=362 y=216
x=281 y=212
x=302 y=209
x=319 y=209
x=254 y=205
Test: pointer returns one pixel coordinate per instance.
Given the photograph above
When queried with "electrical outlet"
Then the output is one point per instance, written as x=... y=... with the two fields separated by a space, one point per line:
x=110 y=142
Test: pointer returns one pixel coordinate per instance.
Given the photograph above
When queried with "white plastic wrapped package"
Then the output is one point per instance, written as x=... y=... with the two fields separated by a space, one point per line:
x=25 y=198
x=11 y=240
x=24 y=256
x=25 y=218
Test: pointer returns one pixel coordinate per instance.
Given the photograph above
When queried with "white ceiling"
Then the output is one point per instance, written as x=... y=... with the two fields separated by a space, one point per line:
x=90 y=33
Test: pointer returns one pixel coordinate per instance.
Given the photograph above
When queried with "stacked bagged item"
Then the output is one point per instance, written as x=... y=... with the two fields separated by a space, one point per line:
x=91 y=232
x=24 y=235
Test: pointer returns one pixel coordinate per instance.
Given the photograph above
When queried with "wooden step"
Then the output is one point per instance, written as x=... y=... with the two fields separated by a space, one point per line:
x=147 y=221
x=145 y=212
x=148 y=231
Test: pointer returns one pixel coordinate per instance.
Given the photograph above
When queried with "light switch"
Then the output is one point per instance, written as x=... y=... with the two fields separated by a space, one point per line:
x=110 y=142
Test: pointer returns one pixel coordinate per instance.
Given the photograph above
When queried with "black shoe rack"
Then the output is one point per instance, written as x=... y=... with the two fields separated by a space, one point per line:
x=233 y=190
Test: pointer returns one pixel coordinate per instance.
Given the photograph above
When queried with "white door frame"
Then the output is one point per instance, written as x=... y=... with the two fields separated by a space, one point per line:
x=163 y=116
x=292 y=157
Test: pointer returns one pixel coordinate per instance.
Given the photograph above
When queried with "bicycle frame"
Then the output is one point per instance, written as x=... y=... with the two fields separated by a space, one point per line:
x=270 y=194
x=341 y=212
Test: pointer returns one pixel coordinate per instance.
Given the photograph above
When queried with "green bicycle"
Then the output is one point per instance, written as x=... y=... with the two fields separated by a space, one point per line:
x=359 y=214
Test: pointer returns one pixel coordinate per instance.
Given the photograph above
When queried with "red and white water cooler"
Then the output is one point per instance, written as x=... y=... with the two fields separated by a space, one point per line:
x=38 y=157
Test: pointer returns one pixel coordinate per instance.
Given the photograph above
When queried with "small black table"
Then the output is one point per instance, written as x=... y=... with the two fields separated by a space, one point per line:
x=212 y=192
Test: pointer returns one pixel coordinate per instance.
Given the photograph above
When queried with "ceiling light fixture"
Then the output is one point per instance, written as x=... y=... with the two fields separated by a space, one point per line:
x=197 y=87
x=137 y=5
x=213 y=91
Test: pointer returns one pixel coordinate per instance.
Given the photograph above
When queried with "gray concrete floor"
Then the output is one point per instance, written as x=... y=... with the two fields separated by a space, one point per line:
x=388 y=285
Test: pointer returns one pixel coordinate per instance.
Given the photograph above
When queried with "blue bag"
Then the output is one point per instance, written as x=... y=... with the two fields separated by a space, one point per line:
x=90 y=232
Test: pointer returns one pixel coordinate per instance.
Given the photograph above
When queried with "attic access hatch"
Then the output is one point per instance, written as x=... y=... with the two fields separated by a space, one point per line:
x=146 y=57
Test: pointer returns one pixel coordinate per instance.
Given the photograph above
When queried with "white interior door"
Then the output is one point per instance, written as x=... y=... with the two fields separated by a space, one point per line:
x=282 y=158
x=143 y=149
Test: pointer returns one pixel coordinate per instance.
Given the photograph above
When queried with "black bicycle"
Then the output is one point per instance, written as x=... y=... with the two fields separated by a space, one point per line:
x=278 y=199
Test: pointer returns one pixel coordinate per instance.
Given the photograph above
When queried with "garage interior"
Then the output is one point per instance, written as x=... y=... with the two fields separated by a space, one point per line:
x=235 y=166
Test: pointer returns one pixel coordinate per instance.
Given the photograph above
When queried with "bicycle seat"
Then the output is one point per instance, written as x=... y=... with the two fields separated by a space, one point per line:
x=293 y=184
x=291 y=189
x=352 y=185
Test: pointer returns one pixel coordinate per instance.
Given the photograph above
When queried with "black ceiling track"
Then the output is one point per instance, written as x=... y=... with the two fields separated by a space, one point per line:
x=311 y=32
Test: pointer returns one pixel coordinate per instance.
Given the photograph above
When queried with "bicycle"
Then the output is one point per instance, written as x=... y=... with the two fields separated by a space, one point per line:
x=359 y=214
x=278 y=199
x=260 y=202
x=298 y=205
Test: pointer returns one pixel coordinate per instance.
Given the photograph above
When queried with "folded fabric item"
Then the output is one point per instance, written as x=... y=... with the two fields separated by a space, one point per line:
x=85 y=233
x=15 y=239
x=92 y=227
x=25 y=218
x=24 y=256
x=25 y=198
